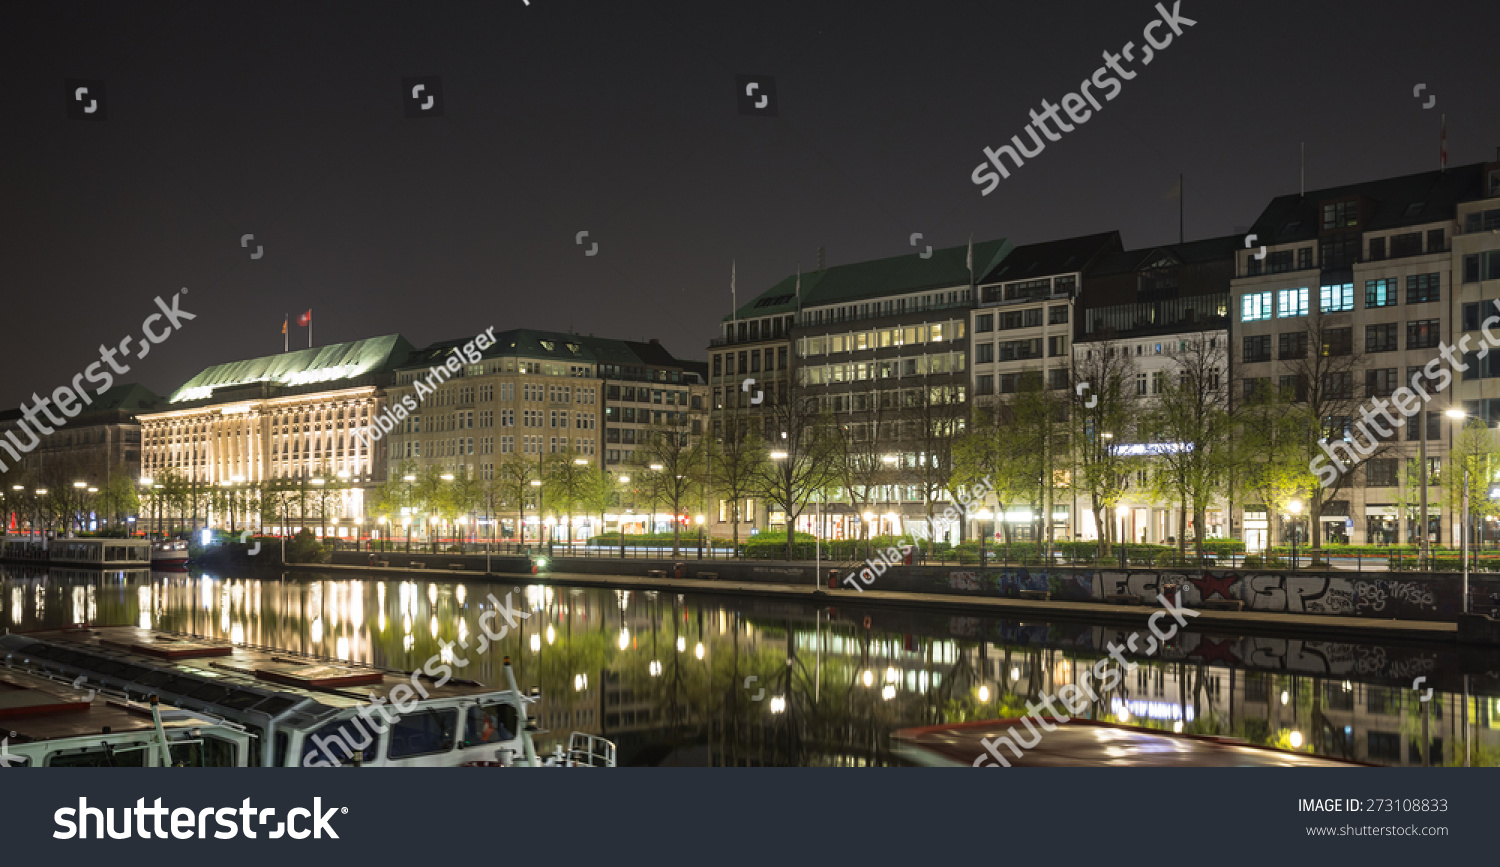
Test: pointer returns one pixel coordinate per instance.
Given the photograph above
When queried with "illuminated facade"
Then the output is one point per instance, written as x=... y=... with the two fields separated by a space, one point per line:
x=292 y=418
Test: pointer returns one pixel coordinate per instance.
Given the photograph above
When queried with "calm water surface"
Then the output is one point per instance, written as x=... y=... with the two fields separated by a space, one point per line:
x=694 y=679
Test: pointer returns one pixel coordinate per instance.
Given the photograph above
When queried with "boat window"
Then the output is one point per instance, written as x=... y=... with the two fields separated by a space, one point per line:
x=424 y=733
x=211 y=753
x=105 y=758
x=336 y=743
x=490 y=725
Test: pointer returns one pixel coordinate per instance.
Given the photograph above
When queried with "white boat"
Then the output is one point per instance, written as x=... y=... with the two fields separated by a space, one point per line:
x=52 y=723
x=303 y=711
x=93 y=551
x=169 y=555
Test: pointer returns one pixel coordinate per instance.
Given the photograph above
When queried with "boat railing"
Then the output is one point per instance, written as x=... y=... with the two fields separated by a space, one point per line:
x=590 y=751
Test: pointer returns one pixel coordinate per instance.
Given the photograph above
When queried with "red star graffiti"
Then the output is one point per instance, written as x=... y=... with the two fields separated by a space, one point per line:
x=1211 y=651
x=1209 y=585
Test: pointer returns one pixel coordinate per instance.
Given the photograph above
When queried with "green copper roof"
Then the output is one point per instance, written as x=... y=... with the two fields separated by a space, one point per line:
x=879 y=278
x=323 y=365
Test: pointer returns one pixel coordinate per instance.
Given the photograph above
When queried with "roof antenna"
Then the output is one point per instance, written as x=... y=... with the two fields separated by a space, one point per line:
x=1302 y=190
x=820 y=258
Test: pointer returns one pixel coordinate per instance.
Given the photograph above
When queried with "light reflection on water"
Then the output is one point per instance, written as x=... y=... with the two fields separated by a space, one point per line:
x=698 y=680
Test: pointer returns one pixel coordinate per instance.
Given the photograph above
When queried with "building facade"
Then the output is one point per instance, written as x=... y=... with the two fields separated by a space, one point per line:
x=1368 y=276
x=298 y=418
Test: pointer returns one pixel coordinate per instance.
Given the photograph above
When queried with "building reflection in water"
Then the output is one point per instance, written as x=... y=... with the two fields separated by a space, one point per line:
x=685 y=680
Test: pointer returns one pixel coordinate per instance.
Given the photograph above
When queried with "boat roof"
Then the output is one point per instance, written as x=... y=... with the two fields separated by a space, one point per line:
x=35 y=708
x=1091 y=743
x=218 y=673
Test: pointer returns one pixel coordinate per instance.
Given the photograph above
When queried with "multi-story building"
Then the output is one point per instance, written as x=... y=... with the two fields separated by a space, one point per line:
x=1476 y=273
x=882 y=346
x=750 y=369
x=95 y=445
x=539 y=393
x=1163 y=307
x=294 y=416
x=1367 y=273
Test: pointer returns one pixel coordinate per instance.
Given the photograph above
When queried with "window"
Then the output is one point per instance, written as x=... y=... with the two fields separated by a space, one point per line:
x=1380 y=338
x=1339 y=215
x=985 y=322
x=1381 y=382
x=1338 y=341
x=1423 y=287
x=1291 y=302
x=1057 y=315
x=1336 y=299
x=1338 y=385
x=1279 y=261
x=1057 y=346
x=334 y=742
x=984 y=352
x=1471 y=317
x=1290 y=344
x=1381 y=472
x=1057 y=378
x=1383 y=747
x=984 y=384
x=1255 y=388
x=1304 y=258
x=1409 y=244
x=1293 y=387
x=420 y=734
x=1140 y=384
x=1339 y=251
x=490 y=724
x=1422 y=334
x=1435 y=241
x=1377 y=249
x=1255 y=306
x=1380 y=293
x=1257 y=348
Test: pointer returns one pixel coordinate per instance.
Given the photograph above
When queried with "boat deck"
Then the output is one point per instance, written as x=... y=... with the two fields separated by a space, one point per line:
x=34 y=708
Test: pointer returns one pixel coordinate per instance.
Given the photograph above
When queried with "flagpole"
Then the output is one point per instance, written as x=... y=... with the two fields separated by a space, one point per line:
x=286 y=336
x=309 y=328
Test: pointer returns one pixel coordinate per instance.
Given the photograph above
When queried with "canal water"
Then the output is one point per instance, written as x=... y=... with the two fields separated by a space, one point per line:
x=723 y=680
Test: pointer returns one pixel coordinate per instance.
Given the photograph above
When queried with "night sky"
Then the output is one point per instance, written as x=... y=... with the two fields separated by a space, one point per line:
x=287 y=121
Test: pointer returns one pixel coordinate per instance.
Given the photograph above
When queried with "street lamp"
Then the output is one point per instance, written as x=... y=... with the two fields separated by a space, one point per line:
x=1295 y=507
x=1122 y=511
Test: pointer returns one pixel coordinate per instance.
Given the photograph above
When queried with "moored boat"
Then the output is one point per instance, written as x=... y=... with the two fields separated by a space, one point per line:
x=53 y=723
x=303 y=711
x=170 y=555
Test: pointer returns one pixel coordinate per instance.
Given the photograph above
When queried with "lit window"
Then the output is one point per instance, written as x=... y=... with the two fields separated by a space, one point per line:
x=1336 y=299
x=1255 y=306
x=1291 y=302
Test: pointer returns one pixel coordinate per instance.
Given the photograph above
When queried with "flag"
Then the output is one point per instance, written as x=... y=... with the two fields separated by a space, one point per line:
x=970 y=260
x=799 y=286
x=283 y=323
x=286 y=340
x=305 y=319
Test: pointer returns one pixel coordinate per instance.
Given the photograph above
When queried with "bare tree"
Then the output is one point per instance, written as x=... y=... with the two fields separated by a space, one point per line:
x=670 y=464
x=1099 y=431
x=1193 y=430
x=735 y=462
x=801 y=457
x=933 y=415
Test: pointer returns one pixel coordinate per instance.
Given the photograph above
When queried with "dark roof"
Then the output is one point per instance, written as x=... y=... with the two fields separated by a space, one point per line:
x=877 y=278
x=563 y=346
x=1053 y=257
x=1388 y=203
x=338 y=365
x=129 y=399
x=1189 y=253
